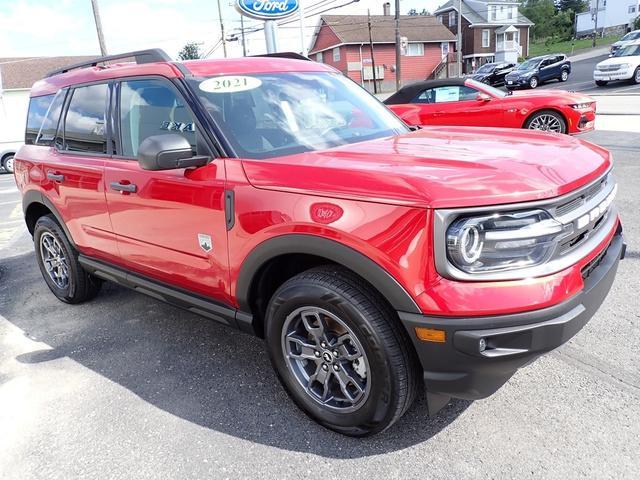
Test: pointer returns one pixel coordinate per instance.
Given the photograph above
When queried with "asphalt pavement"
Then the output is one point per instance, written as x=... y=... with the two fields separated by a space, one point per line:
x=127 y=387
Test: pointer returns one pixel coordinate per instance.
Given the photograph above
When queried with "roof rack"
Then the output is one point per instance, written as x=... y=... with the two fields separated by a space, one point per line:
x=291 y=55
x=141 y=56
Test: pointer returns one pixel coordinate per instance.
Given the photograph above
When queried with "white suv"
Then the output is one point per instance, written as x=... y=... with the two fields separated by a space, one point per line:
x=623 y=65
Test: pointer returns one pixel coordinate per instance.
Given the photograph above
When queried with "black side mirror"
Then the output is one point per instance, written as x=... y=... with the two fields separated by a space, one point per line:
x=167 y=152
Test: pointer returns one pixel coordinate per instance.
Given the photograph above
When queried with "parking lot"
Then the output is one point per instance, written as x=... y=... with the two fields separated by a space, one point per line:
x=128 y=387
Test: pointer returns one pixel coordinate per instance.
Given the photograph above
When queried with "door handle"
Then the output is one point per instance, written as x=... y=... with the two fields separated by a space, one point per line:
x=123 y=187
x=56 y=177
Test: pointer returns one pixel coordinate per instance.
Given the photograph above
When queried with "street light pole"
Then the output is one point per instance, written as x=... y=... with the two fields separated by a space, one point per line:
x=398 y=52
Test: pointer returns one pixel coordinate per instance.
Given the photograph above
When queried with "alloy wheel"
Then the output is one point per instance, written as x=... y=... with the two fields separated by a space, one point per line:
x=546 y=123
x=564 y=76
x=8 y=164
x=54 y=260
x=326 y=358
x=533 y=83
x=637 y=75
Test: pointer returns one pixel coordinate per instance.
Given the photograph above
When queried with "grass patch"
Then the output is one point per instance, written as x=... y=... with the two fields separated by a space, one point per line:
x=569 y=46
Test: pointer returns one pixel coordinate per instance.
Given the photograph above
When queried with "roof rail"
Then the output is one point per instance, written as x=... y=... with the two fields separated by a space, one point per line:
x=291 y=55
x=141 y=56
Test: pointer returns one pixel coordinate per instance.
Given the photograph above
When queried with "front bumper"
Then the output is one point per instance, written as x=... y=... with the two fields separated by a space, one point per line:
x=512 y=82
x=599 y=76
x=457 y=367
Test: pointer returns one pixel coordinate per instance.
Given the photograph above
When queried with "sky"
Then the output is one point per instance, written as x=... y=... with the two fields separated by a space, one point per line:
x=66 y=27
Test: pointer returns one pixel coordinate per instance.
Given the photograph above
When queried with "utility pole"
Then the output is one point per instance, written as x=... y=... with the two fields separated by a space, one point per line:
x=244 y=45
x=224 y=40
x=398 y=52
x=459 y=39
x=595 y=23
x=303 y=46
x=96 y=17
x=373 y=61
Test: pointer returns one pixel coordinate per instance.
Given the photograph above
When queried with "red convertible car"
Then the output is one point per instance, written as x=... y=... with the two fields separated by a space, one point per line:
x=459 y=101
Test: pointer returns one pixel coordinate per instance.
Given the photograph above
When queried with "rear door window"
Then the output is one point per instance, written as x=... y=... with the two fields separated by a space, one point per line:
x=85 y=127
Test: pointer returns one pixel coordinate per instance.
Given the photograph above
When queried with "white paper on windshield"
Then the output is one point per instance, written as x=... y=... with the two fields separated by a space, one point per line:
x=229 y=84
x=447 y=94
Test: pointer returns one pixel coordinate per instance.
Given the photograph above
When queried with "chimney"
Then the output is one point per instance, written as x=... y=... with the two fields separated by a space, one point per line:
x=386 y=9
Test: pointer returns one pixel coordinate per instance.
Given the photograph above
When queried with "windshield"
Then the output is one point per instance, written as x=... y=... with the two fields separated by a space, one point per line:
x=528 y=64
x=629 y=51
x=487 y=88
x=631 y=36
x=275 y=114
x=488 y=68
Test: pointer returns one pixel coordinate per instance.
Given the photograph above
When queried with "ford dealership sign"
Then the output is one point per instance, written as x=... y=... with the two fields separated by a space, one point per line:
x=267 y=9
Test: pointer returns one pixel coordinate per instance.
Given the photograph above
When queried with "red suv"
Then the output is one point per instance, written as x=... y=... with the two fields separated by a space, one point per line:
x=276 y=196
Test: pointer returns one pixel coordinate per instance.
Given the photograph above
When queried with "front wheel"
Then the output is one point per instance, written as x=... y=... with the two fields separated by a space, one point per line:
x=7 y=163
x=601 y=83
x=636 y=77
x=564 y=76
x=547 y=121
x=533 y=82
x=340 y=351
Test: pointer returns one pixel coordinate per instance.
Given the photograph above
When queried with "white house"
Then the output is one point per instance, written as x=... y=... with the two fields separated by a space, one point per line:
x=614 y=17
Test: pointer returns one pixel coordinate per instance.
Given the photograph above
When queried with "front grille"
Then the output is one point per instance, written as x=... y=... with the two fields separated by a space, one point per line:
x=588 y=269
x=609 y=68
x=583 y=197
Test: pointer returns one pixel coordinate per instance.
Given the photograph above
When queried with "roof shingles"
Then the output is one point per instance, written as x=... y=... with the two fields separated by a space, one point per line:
x=417 y=28
x=23 y=72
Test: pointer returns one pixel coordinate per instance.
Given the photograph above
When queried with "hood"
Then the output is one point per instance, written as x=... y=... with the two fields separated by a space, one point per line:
x=439 y=167
x=613 y=61
x=478 y=76
x=520 y=73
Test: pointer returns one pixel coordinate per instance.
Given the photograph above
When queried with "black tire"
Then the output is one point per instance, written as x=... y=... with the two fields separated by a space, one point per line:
x=394 y=369
x=564 y=75
x=543 y=114
x=636 y=77
x=7 y=163
x=534 y=82
x=601 y=83
x=80 y=285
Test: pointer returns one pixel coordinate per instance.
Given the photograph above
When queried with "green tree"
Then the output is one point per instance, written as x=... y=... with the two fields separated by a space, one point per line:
x=636 y=24
x=191 y=51
x=573 y=7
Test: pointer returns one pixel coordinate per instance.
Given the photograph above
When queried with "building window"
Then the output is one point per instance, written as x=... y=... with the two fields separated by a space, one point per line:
x=319 y=57
x=516 y=37
x=440 y=19
x=485 y=38
x=510 y=13
x=336 y=54
x=452 y=19
x=632 y=9
x=415 y=49
x=493 y=10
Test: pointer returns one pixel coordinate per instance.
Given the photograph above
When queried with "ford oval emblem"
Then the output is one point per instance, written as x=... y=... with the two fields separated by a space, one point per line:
x=267 y=9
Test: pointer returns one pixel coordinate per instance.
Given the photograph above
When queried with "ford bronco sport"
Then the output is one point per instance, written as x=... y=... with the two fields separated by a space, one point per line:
x=276 y=196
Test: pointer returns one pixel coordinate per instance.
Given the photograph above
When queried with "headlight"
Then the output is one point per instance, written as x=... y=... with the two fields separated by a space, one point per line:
x=503 y=241
x=581 y=106
x=624 y=66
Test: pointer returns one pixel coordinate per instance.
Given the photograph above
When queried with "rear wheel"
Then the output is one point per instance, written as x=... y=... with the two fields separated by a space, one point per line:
x=533 y=82
x=7 y=163
x=547 y=121
x=340 y=351
x=636 y=77
x=601 y=83
x=58 y=262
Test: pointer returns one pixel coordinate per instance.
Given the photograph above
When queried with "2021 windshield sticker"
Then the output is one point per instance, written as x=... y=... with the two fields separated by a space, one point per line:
x=230 y=84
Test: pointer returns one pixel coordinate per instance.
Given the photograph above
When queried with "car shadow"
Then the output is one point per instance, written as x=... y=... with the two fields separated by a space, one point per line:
x=189 y=366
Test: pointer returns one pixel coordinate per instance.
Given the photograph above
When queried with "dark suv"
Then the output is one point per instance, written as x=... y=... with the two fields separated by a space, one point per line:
x=278 y=197
x=537 y=70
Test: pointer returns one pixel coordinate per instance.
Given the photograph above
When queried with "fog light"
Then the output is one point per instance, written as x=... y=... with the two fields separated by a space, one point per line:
x=482 y=345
